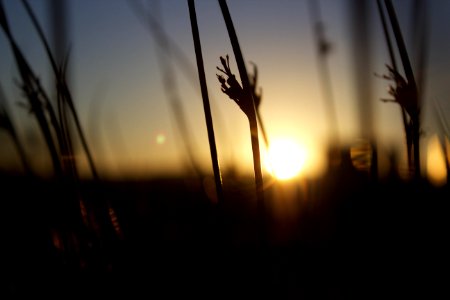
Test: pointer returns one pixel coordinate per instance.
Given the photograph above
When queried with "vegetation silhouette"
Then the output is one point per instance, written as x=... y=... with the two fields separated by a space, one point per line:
x=344 y=235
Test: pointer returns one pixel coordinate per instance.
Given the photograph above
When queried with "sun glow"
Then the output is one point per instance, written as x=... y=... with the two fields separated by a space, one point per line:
x=285 y=158
x=436 y=168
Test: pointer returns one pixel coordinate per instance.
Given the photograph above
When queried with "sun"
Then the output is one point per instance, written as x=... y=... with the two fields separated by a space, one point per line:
x=285 y=158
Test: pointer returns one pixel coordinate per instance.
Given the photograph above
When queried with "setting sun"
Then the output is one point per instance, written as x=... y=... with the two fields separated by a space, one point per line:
x=285 y=158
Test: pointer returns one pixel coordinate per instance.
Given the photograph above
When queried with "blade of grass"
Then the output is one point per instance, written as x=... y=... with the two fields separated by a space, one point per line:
x=394 y=66
x=64 y=136
x=415 y=116
x=206 y=106
x=65 y=100
x=33 y=91
x=178 y=56
x=63 y=89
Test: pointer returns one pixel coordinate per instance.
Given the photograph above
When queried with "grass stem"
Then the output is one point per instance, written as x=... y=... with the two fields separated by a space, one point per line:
x=248 y=94
x=206 y=105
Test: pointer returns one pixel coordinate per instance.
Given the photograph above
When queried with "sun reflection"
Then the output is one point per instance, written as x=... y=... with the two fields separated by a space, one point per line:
x=285 y=158
x=436 y=169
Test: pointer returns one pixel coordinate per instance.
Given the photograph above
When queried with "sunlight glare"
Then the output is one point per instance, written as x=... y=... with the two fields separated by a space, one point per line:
x=436 y=168
x=285 y=158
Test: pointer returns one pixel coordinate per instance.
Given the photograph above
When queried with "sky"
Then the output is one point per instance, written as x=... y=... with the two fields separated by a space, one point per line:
x=116 y=76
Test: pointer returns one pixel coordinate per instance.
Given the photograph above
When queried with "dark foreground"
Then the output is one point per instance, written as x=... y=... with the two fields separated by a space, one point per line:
x=339 y=237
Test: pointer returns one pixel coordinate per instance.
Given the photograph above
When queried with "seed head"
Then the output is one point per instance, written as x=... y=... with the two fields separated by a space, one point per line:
x=403 y=92
x=230 y=86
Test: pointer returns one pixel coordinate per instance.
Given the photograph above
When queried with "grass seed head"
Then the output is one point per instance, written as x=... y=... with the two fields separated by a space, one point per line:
x=230 y=86
x=403 y=92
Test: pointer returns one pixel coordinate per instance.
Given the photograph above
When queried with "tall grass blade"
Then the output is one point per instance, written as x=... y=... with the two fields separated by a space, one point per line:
x=170 y=52
x=411 y=82
x=34 y=93
x=206 y=106
x=394 y=66
x=63 y=91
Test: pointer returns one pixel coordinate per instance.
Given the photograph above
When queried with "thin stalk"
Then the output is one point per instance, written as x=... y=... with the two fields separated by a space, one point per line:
x=63 y=89
x=400 y=43
x=394 y=66
x=65 y=107
x=32 y=89
x=415 y=117
x=175 y=55
x=387 y=36
x=60 y=125
x=48 y=105
x=206 y=106
x=248 y=94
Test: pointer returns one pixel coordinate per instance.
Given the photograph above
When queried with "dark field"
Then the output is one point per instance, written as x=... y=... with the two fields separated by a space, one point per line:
x=339 y=237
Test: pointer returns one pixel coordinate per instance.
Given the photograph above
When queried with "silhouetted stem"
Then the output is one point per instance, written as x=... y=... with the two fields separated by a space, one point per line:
x=387 y=36
x=64 y=92
x=248 y=94
x=206 y=106
x=400 y=43
x=415 y=119
x=394 y=66
x=29 y=83
x=31 y=87
x=174 y=54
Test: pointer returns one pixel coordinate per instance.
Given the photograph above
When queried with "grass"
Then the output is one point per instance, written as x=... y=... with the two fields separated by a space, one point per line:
x=38 y=100
x=244 y=98
x=206 y=105
x=405 y=91
x=73 y=224
x=72 y=237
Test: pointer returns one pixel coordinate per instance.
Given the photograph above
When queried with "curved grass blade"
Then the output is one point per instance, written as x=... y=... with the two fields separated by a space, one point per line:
x=63 y=89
